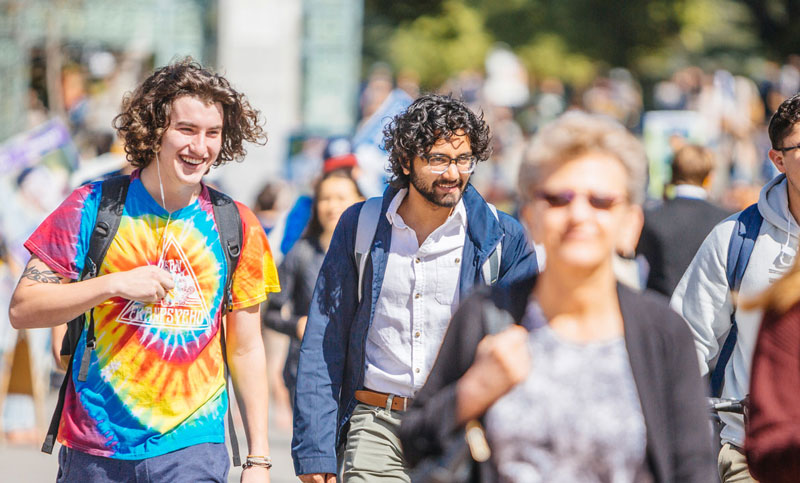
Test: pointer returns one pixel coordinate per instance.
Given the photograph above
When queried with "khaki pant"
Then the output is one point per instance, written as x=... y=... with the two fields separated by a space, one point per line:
x=373 y=452
x=732 y=465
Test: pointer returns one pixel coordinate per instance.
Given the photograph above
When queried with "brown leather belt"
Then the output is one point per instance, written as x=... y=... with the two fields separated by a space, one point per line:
x=379 y=399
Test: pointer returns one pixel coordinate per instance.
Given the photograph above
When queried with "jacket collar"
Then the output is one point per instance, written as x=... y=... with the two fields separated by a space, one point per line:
x=483 y=229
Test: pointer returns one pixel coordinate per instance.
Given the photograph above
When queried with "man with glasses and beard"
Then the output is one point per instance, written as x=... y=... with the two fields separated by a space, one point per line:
x=372 y=338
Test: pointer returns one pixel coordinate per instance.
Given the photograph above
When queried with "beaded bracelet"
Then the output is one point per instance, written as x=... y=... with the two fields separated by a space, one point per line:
x=261 y=461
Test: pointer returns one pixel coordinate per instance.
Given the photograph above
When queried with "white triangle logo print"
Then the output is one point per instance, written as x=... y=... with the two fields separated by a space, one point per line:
x=183 y=307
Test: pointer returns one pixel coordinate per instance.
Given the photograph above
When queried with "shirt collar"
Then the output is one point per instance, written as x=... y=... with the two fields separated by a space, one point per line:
x=459 y=214
x=690 y=191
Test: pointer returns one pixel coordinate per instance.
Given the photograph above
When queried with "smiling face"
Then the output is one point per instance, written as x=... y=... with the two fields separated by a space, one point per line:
x=580 y=212
x=191 y=142
x=443 y=190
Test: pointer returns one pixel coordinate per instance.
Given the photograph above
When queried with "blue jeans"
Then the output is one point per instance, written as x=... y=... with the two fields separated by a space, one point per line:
x=206 y=462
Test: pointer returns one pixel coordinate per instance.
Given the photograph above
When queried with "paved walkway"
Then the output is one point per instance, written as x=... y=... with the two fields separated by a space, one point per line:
x=26 y=464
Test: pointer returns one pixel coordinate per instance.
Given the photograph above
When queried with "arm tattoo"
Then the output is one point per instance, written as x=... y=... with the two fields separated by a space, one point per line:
x=46 y=276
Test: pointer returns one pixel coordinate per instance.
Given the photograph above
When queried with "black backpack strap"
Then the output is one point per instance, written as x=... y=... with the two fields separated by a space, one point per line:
x=55 y=420
x=229 y=226
x=743 y=239
x=109 y=213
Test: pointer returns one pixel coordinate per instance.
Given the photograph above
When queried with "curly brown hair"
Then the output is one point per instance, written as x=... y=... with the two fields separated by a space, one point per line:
x=431 y=117
x=146 y=112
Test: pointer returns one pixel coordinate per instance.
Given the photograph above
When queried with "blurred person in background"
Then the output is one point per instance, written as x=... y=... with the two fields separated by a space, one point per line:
x=377 y=88
x=271 y=204
x=270 y=207
x=17 y=406
x=674 y=230
x=772 y=431
x=704 y=298
x=592 y=381
x=370 y=341
x=338 y=155
x=287 y=312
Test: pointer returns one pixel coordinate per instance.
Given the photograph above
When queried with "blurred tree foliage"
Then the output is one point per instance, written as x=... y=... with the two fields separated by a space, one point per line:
x=459 y=36
x=575 y=39
x=776 y=24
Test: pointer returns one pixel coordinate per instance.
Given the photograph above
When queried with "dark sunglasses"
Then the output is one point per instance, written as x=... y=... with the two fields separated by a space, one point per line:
x=561 y=199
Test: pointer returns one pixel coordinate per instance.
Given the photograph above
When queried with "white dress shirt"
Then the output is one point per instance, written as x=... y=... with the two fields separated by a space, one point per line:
x=418 y=297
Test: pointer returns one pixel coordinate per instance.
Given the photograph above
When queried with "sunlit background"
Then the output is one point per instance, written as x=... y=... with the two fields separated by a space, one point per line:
x=709 y=72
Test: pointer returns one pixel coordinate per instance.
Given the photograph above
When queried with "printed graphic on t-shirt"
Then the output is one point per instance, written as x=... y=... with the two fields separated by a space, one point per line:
x=183 y=307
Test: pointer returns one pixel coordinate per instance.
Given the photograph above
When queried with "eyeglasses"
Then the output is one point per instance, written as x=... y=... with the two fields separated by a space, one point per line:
x=783 y=150
x=439 y=163
x=561 y=199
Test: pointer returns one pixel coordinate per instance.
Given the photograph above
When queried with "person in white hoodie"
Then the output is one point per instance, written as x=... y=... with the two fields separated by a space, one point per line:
x=705 y=300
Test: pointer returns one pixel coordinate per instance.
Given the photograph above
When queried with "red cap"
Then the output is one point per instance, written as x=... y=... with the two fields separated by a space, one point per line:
x=344 y=161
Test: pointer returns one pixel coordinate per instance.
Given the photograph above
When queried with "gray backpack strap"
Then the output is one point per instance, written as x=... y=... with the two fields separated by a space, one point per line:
x=491 y=267
x=365 y=233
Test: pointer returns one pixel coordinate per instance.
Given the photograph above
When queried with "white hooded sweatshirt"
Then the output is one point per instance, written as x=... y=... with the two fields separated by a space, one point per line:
x=703 y=298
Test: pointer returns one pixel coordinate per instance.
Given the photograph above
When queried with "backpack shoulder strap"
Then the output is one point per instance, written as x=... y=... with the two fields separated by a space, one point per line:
x=743 y=238
x=109 y=213
x=491 y=267
x=113 y=192
x=742 y=241
x=229 y=227
x=365 y=234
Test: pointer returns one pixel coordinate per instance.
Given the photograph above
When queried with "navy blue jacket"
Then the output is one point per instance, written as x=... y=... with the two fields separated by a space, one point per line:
x=332 y=353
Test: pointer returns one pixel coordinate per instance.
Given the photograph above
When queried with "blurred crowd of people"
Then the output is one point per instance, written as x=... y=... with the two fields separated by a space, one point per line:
x=724 y=160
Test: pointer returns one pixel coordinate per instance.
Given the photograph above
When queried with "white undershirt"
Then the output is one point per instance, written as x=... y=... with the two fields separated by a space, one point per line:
x=418 y=296
x=690 y=191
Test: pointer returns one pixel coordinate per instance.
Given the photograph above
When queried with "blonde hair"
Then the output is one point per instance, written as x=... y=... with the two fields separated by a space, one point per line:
x=574 y=134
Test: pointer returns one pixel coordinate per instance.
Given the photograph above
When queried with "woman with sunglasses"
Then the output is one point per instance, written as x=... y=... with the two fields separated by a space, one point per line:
x=573 y=376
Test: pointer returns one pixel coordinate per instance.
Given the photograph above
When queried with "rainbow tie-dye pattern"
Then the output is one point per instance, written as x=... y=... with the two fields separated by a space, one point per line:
x=156 y=381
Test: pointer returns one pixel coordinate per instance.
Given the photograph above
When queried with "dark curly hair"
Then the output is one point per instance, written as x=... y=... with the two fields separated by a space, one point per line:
x=146 y=111
x=784 y=119
x=430 y=118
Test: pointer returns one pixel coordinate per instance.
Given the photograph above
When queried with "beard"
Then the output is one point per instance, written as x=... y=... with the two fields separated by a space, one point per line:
x=445 y=200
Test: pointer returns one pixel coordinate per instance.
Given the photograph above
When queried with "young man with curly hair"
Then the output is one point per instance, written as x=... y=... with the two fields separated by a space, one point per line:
x=152 y=399
x=368 y=349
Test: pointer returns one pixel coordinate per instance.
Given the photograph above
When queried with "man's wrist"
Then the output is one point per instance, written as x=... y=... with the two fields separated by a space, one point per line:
x=257 y=461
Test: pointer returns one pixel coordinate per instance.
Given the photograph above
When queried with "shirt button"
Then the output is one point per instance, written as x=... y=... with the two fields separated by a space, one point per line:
x=417 y=260
x=458 y=259
x=417 y=295
x=416 y=370
x=416 y=334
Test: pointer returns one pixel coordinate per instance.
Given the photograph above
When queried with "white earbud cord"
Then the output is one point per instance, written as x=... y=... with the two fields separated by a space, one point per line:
x=164 y=205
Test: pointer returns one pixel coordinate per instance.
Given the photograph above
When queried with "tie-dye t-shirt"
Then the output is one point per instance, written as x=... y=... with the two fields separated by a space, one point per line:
x=156 y=381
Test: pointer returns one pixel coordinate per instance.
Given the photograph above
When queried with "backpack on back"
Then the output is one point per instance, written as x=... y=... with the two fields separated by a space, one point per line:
x=109 y=213
x=742 y=241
